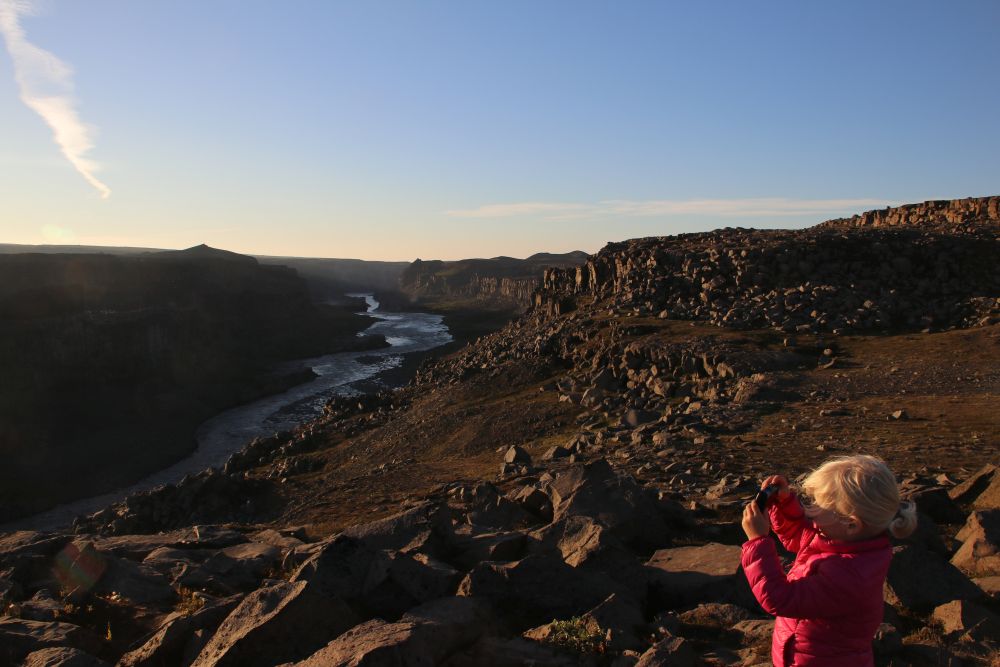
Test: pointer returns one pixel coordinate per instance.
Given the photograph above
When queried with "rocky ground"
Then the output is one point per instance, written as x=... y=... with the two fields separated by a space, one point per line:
x=566 y=490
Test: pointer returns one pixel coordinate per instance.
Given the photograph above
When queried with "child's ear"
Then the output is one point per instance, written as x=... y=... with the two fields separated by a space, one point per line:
x=854 y=525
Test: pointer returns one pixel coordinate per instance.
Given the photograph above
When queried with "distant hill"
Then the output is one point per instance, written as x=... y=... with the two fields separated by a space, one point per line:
x=329 y=278
x=111 y=361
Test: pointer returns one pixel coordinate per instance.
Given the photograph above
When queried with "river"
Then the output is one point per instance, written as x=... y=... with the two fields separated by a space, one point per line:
x=230 y=431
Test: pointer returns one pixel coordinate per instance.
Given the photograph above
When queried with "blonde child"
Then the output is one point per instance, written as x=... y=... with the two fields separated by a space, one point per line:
x=829 y=605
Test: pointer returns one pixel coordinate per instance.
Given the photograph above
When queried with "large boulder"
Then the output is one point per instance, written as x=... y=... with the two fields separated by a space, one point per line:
x=669 y=652
x=426 y=635
x=586 y=544
x=631 y=512
x=969 y=490
x=277 y=623
x=979 y=554
x=684 y=576
x=536 y=589
x=426 y=528
x=180 y=637
x=19 y=637
x=62 y=657
x=240 y=567
x=920 y=580
x=376 y=582
x=515 y=652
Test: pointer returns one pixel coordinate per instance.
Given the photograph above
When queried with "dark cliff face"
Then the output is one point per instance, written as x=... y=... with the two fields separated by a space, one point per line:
x=110 y=362
x=500 y=281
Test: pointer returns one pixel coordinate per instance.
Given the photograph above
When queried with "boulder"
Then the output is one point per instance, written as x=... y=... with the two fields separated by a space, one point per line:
x=19 y=637
x=938 y=505
x=920 y=580
x=138 y=583
x=971 y=488
x=555 y=453
x=41 y=607
x=517 y=455
x=989 y=499
x=178 y=636
x=240 y=567
x=279 y=622
x=631 y=512
x=715 y=614
x=426 y=635
x=426 y=528
x=979 y=554
x=346 y=568
x=755 y=630
x=586 y=544
x=536 y=589
x=961 y=616
x=683 y=576
x=516 y=652
x=62 y=656
x=669 y=652
x=619 y=619
x=381 y=583
x=501 y=547
x=535 y=501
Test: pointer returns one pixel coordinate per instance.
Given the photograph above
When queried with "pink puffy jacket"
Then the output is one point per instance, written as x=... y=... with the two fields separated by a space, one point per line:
x=829 y=605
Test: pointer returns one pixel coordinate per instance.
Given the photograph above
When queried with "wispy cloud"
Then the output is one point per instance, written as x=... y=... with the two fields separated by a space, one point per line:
x=623 y=208
x=46 y=86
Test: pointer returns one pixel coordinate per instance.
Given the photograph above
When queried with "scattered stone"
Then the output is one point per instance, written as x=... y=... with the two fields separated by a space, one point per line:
x=900 y=415
x=517 y=455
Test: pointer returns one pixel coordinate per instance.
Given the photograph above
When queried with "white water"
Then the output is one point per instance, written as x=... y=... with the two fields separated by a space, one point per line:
x=230 y=431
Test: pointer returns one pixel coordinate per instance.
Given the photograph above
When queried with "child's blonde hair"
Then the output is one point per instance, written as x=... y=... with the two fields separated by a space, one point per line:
x=862 y=486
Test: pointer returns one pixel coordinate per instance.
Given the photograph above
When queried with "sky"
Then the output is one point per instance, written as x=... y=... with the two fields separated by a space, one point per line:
x=441 y=130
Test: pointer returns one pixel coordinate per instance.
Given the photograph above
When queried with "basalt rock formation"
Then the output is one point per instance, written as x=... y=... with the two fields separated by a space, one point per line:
x=883 y=271
x=498 y=282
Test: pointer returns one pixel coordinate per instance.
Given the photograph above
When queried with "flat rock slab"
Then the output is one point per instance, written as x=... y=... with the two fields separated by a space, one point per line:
x=690 y=575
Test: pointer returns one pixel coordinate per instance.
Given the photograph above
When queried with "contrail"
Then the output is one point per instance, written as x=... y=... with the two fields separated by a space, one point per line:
x=46 y=85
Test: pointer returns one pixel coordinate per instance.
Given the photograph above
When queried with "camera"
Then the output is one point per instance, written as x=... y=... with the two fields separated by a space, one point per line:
x=765 y=495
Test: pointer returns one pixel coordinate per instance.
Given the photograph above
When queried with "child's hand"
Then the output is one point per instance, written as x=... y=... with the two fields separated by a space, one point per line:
x=779 y=481
x=755 y=523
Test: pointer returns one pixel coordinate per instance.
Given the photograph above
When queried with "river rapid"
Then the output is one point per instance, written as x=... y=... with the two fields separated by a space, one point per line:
x=228 y=432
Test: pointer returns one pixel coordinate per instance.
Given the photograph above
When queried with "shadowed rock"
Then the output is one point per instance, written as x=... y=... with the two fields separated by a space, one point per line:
x=426 y=635
x=280 y=622
x=979 y=554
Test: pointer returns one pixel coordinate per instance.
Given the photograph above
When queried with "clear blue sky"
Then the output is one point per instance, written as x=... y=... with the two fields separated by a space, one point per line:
x=395 y=130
